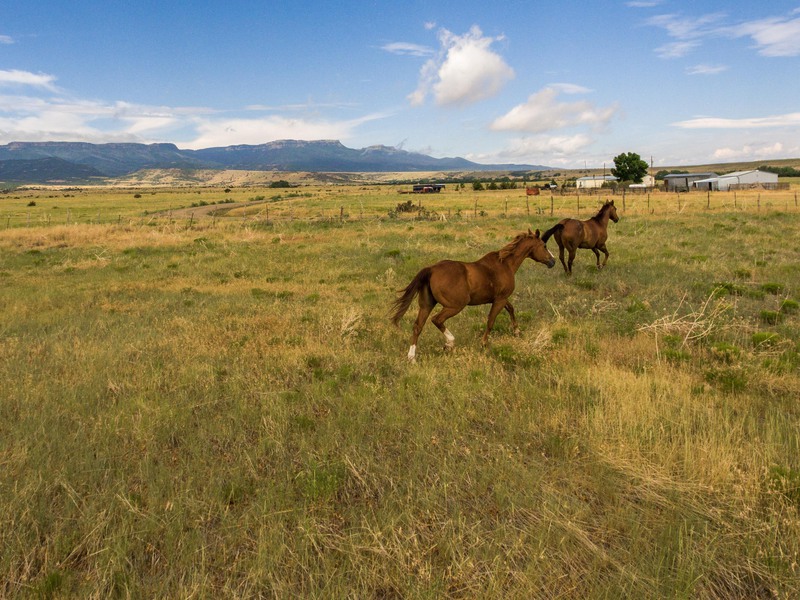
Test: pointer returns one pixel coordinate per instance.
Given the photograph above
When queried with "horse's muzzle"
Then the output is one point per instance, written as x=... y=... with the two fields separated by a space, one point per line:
x=551 y=263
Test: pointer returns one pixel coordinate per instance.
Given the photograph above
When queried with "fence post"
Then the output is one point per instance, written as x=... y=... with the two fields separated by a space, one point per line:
x=341 y=214
x=708 y=200
x=759 y=203
x=475 y=210
x=528 y=204
x=551 y=204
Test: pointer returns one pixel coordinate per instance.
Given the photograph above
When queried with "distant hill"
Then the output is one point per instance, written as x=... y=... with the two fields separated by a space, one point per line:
x=110 y=160
x=114 y=160
x=45 y=170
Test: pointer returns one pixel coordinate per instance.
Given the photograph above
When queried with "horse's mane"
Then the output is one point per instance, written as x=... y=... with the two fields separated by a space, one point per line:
x=606 y=206
x=509 y=248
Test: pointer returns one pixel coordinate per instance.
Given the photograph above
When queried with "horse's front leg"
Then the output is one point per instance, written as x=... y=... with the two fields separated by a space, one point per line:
x=510 y=311
x=497 y=306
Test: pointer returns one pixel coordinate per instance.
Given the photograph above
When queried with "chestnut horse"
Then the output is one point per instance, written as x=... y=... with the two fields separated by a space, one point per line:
x=592 y=234
x=455 y=284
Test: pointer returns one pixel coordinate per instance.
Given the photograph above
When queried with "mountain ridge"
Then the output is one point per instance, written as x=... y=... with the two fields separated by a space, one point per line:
x=119 y=159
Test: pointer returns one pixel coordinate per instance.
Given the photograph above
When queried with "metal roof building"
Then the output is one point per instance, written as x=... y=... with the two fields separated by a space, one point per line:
x=738 y=180
x=682 y=182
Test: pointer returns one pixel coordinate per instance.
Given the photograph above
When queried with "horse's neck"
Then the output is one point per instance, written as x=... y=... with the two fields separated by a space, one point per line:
x=602 y=217
x=515 y=259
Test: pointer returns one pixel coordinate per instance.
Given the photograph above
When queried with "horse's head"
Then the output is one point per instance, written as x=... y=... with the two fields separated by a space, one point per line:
x=612 y=211
x=538 y=250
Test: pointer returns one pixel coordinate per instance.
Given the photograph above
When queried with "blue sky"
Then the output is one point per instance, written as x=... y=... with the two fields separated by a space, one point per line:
x=565 y=84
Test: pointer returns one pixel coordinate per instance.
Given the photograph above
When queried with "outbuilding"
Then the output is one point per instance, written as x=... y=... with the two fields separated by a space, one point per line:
x=739 y=180
x=594 y=181
x=682 y=182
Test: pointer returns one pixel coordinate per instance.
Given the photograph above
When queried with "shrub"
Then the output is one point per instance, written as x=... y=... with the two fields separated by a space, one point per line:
x=765 y=339
x=771 y=317
x=772 y=288
x=789 y=306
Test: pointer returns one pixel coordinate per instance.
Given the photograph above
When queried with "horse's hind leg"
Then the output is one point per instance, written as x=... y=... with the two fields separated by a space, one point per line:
x=597 y=255
x=561 y=258
x=510 y=311
x=497 y=306
x=426 y=304
x=440 y=318
x=571 y=260
x=604 y=250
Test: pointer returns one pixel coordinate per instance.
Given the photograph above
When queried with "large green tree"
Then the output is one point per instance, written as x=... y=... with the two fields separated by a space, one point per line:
x=629 y=166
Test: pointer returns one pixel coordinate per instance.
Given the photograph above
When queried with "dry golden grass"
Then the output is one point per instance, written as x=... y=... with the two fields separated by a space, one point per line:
x=221 y=409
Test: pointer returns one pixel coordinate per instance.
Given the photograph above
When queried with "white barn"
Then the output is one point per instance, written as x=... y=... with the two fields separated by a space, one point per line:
x=738 y=180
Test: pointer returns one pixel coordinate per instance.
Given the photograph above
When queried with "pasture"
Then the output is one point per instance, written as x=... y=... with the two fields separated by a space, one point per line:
x=216 y=405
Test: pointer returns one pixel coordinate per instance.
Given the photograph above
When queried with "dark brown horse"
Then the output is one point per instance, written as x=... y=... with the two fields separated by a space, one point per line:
x=455 y=284
x=592 y=234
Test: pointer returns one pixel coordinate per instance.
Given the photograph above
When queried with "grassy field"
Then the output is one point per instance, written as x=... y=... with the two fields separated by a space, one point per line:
x=219 y=406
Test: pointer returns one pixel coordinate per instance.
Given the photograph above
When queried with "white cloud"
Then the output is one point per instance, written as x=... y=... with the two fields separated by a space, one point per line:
x=224 y=132
x=643 y=4
x=777 y=36
x=750 y=151
x=787 y=120
x=687 y=28
x=407 y=49
x=676 y=49
x=6 y=39
x=465 y=71
x=543 y=112
x=30 y=118
x=26 y=78
x=569 y=88
x=772 y=36
x=537 y=149
x=706 y=69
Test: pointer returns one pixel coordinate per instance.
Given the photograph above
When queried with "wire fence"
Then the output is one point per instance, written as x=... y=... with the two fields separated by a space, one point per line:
x=450 y=206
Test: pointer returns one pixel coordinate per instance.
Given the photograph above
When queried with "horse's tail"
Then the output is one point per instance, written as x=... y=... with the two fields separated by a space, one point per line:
x=420 y=282
x=551 y=231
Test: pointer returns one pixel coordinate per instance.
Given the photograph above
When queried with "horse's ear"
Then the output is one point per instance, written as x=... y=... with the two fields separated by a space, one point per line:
x=537 y=233
x=611 y=203
x=529 y=231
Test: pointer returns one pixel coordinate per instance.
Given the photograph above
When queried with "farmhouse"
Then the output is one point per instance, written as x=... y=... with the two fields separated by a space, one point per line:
x=682 y=182
x=738 y=180
x=648 y=182
x=594 y=181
